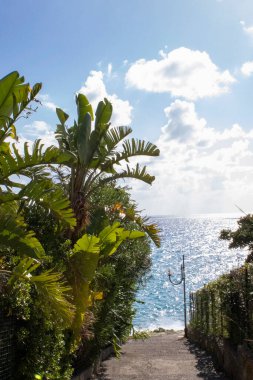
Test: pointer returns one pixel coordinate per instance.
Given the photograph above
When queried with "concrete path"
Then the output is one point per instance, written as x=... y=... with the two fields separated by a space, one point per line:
x=163 y=356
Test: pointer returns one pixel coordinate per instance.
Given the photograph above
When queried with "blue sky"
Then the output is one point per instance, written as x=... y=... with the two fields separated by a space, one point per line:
x=180 y=72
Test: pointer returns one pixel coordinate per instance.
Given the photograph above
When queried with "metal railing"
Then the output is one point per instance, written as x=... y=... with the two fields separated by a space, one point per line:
x=6 y=347
x=224 y=308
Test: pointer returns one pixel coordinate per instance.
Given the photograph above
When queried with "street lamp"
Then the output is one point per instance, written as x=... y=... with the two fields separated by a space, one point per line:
x=175 y=283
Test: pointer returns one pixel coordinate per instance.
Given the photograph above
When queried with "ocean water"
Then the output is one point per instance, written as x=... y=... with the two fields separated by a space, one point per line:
x=160 y=304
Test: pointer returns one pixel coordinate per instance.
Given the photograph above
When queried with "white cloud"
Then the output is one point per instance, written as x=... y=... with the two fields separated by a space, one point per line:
x=183 y=123
x=95 y=90
x=247 y=29
x=200 y=169
x=186 y=73
x=247 y=68
x=38 y=130
x=109 y=69
x=46 y=102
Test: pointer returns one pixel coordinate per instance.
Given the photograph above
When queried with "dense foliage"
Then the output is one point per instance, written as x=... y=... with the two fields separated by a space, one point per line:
x=242 y=237
x=72 y=250
x=97 y=157
x=224 y=308
x=118 y=276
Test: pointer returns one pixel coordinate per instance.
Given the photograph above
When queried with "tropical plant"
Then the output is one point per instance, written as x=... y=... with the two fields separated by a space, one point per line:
x=222 y=308
x=242 y=237
x=35 y=186
x=112 y=202
x=118 y=276
x=15 y=102
x=59 y=273
x=83 y=262
x=96 y=154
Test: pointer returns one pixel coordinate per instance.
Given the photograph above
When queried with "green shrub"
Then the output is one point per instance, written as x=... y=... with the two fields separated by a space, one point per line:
x=224 y=308
x=118 y=276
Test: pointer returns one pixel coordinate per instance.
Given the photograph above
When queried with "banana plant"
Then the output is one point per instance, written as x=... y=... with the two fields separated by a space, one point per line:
x=94 y=144
x=83 y=262
x=16 y=98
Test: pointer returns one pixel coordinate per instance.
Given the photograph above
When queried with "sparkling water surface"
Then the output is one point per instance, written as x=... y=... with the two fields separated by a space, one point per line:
x=206 y=257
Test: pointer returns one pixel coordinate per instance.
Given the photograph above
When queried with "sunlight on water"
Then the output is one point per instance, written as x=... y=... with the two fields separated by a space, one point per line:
x=206 y=258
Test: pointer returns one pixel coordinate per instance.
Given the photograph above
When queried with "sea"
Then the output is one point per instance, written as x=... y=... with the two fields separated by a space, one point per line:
x=158 y=302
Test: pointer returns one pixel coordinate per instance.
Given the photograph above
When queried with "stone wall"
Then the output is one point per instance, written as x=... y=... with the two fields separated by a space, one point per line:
x=88 y=372
x=237 y=362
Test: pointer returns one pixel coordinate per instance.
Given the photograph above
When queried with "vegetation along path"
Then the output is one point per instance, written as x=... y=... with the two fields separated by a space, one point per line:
x=163 y=356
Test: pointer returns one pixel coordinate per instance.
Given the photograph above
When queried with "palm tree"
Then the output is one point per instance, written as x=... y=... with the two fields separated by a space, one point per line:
x=16 y=98
x=37 y=187
x=96 y=157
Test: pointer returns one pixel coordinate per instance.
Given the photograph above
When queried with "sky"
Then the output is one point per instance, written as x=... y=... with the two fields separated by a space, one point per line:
x=179 y=72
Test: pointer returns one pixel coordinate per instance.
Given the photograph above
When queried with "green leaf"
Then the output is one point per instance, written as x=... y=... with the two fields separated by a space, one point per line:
x=103 y=113
x=83 y=107
x=87 y=243
x=15 y=163
x=109 y=234
x=136 y=173
x=111 y=238
x=55 y=293
x=13 y=234
x=6 y=88
x=81 y=270
x=51 y=197
x=50 y=287
x=114 y=136
x=134 y=234
x=83 y=135
x=13 y=91
x=23 y=270
x=131 y=148
x=62 y=116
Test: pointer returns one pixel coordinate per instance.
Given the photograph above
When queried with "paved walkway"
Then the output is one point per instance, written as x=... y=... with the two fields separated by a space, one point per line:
x=163 y=356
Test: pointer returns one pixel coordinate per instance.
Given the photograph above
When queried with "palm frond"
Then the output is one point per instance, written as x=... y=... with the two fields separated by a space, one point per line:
x=47 y=194
x=151 y=229
x=136 y=147
x=137 y=173
x=51 y=197
x=14 y=234
x=52 y=289
x=131 y=148
x=15 y=163
x=114 y=136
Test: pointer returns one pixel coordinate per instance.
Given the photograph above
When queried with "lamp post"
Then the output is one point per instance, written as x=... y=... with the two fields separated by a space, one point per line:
x=175 y=283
